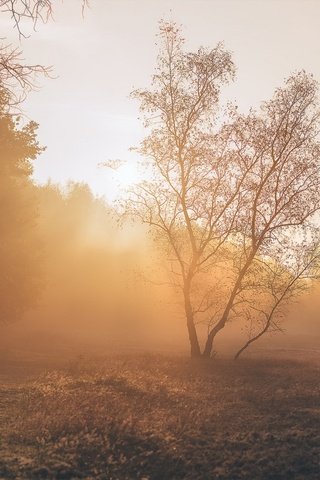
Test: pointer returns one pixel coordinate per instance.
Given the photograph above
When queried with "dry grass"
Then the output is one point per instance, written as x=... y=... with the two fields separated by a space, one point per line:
x=158 y=418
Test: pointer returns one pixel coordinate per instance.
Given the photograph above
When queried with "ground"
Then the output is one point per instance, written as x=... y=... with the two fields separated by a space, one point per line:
x=161 y=418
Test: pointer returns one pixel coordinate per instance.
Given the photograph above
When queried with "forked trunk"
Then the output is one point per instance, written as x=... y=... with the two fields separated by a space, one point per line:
x=209 y=343
x=223 y=320
x=193 y=337
x=208 y=346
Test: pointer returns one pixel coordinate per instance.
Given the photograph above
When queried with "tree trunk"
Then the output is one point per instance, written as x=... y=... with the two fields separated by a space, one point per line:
x=253 y=339
x=237 y=355
x=220 y=325
x=209 y=343
x=193 y=337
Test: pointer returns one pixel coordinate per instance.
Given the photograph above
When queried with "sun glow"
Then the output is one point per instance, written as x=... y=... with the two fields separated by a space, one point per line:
x=121 y=176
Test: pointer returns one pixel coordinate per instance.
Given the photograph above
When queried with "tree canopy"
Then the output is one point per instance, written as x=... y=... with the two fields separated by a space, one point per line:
x=18 y=77
x=20 y=245
x=236 y=195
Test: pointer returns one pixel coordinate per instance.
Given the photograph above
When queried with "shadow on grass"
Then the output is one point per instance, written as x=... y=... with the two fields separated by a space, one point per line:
x=168 y=418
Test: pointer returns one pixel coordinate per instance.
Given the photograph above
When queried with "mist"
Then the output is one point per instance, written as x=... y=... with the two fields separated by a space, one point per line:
x=105 y=288
x=159 y=240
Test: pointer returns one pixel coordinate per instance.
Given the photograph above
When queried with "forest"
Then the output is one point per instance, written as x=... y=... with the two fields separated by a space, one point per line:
x=173 y=332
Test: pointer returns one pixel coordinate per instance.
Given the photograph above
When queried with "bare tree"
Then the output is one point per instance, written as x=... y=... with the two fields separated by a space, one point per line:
x=33 y=10
x=282 y=190
x=18 y=78
x=280 y=283
x=222 y=196
x=193 y=196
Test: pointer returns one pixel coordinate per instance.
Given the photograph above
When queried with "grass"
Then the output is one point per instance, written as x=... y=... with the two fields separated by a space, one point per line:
x=159 y=418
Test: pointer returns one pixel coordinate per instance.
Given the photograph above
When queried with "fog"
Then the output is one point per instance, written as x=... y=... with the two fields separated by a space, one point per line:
x=159 y=239
x=215 y=246
x=95 y=290
x=105 y=288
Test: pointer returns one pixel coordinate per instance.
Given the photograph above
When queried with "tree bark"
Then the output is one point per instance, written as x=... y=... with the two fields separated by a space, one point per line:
x=193 y=337
x=256 y=337
x=209 y=343
x=220 y=325
x=246 y=345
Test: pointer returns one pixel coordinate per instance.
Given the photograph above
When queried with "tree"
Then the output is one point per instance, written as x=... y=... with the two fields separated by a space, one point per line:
x=282 y=189
x=20 y=245
x=180 y=111
x=18 y=78
x=222 y=196
x=277 y=285
x=34 y=10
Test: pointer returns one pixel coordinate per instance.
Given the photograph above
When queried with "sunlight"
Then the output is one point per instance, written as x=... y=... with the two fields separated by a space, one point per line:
x=115 y=178
x=159 y=203
x=127 y=175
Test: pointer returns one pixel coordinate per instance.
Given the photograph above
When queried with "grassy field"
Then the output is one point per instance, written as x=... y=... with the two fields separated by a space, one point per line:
x=157 y=418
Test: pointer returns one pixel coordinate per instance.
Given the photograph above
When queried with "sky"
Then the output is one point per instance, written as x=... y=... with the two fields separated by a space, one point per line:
x=85 y=114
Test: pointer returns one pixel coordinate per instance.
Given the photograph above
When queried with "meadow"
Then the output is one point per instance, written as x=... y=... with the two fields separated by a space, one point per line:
x=158 y=417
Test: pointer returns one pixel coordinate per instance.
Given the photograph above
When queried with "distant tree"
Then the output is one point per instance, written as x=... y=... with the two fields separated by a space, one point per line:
x=221 y=197
x=20 y=245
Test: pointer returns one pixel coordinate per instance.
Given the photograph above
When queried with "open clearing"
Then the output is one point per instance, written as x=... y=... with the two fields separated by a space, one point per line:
x=157 y=417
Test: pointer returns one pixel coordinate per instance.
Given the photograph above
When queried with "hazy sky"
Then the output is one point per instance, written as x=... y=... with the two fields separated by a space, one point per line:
x=85 y=114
